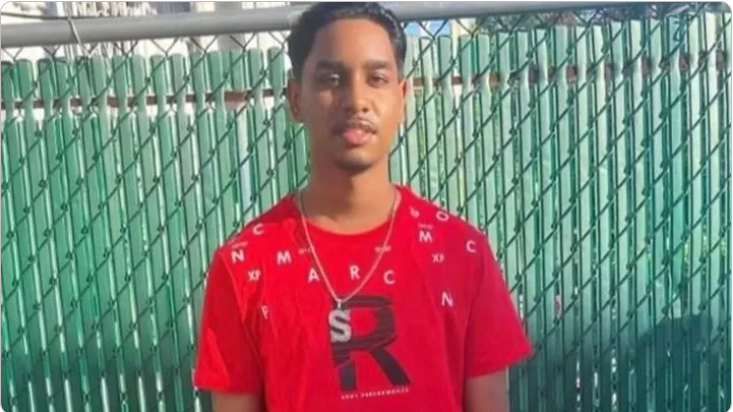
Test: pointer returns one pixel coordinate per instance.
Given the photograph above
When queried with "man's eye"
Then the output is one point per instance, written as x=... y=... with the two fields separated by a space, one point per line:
x=329 y=80
x=379 y=80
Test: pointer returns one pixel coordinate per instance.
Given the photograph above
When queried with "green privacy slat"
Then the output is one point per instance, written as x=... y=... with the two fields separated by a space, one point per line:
x=241 y=140
x=203 y=230
x=15 y=323
x=76 y=263
x=680 y=148
x=260 y=136
x=508 y=190
x=191 y=256
x=578 y=138
x=225 y=142
x=150 y=272
x=719 y=237
x=38 y=257
x=205 y=135
x=107 y=150
x=58 y=241
x=174 y=292
x=451 y=178
x=622 y=296
x=397 y=159
x=470 y=142
x=46 y=285
x=410 y=129
x=66 y=329
x=190 y=259
x=724 y=275
x=109 y=268
x=539 y=309
x=300 y=152
x=281 y=140
x=657 y=229
x=526 y=225
x=485 y=113
x=8 y=376
x=586 y=151
x=644 y=286
x=574 y=295
x=89 y=230
x=216 y=154
x=429 y=154
x=7 y=260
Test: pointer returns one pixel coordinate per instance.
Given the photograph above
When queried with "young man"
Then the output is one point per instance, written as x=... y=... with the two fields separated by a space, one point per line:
x=355 y=294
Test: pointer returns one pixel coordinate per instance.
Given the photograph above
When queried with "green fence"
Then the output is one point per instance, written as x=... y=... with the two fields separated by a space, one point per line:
x=595 y=153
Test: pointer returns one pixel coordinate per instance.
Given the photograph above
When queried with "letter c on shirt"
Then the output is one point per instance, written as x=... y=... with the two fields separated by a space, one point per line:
x=389 y=277
x=471 y=246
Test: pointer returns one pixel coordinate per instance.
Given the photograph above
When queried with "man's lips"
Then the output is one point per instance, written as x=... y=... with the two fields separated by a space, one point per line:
x=356 y=132
x=356 y=136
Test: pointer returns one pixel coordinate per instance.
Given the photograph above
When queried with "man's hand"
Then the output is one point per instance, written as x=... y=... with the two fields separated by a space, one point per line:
x=225 y=402
x=487 y=393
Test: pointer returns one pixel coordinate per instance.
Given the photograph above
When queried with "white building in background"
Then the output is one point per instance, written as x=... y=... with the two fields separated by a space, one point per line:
x=35 y=12
x=262 y=41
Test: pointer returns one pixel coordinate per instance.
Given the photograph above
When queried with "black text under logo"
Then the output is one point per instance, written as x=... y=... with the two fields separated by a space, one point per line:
x=344 y=342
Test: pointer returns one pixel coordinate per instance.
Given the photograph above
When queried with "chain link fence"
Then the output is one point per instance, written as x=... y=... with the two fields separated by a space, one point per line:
x=592 y=147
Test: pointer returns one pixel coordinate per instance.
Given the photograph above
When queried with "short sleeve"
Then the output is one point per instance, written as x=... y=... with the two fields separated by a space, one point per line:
x=227 y=359
x=495 y=336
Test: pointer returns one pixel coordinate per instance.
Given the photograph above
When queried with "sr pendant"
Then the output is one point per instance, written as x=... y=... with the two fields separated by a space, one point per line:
x=339 y=321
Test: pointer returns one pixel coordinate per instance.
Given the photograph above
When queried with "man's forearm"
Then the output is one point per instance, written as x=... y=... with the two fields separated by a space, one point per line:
x=225 y=402
x=487 y=393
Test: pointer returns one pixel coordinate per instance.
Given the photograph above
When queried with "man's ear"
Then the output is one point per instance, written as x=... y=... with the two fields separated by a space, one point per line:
x=403 y=94
x=294 y=99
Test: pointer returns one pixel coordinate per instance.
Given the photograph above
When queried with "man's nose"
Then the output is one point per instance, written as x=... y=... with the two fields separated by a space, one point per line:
x=355 y=97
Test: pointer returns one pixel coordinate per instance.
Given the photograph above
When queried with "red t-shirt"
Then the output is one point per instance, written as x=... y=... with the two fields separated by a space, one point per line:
x=435 y=311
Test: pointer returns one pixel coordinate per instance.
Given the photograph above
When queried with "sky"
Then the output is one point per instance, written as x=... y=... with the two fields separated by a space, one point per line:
x=433 y=26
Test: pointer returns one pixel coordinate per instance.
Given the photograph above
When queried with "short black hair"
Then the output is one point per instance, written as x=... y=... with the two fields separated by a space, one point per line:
x=303 y=34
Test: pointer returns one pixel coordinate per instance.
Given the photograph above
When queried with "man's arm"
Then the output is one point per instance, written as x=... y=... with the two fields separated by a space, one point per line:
x=225 y=402
x=495 y=340
x=486 y=393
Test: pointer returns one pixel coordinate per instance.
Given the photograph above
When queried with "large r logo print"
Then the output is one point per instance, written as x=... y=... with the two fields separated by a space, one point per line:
x=344 y=341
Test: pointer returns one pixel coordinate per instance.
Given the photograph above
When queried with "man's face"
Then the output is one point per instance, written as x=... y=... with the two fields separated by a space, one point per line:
x=350 y=96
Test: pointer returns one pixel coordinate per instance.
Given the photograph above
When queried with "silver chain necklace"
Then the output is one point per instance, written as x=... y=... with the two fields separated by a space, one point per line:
x=339 y=312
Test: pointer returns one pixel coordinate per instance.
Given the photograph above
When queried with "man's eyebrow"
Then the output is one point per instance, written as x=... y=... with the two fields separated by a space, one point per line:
x=337 y=65
x=326 y=64
x=375 y=64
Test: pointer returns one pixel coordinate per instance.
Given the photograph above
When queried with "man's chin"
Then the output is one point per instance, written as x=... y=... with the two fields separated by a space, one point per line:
x=355 y=165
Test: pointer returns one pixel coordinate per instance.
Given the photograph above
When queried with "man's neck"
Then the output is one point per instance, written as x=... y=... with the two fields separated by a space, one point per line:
x=349 y=203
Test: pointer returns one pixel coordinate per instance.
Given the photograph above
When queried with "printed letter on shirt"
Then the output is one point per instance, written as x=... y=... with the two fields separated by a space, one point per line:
x=447 y=299
x=313 y=276
x=354 y=272
x=426 y=237
x=414 y=212
x=283 y=257
x=389 y=277
x=237 y=255
x=471 y=246
x=253 y=275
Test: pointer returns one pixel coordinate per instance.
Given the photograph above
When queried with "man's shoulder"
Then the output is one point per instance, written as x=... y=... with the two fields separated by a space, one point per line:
x=451 y=223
